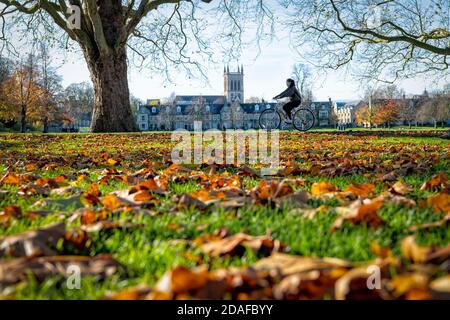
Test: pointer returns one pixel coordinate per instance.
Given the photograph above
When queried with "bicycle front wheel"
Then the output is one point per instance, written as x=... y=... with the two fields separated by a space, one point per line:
x=269 y=119
x=303 y=119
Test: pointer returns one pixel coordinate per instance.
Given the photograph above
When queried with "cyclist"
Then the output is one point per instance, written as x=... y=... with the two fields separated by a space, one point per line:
x=295 y=98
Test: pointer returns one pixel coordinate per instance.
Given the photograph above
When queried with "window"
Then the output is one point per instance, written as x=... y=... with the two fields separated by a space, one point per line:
x=323 y=114
x=153 y=109
x=143 y=118
x=313 y=106
x=208 y=109
x=257 y=107
x=179 y=109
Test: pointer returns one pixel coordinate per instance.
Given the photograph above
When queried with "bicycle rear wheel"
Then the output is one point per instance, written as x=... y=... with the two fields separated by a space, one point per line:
x=269 y=119
x=303 y=119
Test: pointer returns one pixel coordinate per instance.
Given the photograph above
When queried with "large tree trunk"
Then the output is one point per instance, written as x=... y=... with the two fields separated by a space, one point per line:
x=112 y=110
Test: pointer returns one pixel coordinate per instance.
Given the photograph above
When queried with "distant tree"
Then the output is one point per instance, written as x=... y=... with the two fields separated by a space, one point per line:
x=435 y=109
x=78 y=99
x=334 y=120
x=301 y=73
x=134 y=103
x=364 y=116
x=170 y=99
x=386 y=113
x=408 y=111
x=22 y=92
x=5 y=74
x=253 y=100
x=50 y=82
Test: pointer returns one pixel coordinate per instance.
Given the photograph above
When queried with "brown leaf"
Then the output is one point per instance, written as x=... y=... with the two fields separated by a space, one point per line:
x=353 y=286
x=296 y=199
x=235 y=245
x=361 y=190
x=438 y=181
x=10 y=212
x=16 y=270
x=440 y=202
x=408 y=285
x=33 y=243
x=360 y=213
x=182 y=280
x=187 y=201
x=286 y=264
x=412 y=251
x=400 y=188
x=94 y=190
x=109 y=225
x=139 y=292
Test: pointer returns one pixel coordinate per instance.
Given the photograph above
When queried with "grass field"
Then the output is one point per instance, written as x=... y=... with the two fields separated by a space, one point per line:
x=70 y=178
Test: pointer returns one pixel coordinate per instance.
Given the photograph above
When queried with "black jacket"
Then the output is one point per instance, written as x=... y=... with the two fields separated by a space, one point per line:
x=290 y=92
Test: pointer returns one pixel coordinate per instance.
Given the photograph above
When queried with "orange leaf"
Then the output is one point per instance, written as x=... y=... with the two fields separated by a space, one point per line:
x=10 y=178
x=319 y=188
x=440 y=202
x=361 y=190
x=112 y=202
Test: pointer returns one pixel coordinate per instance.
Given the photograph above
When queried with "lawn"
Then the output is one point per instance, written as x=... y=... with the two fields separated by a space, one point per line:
x=137 y=226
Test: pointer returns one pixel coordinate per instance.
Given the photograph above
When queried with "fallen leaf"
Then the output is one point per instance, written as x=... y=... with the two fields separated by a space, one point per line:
x=33 y=243
x=16 y=270
x=400 y=188
x=408 y=285
x=438 y=181
x=360 y=213
x=236 y=245
x=440 y=203
x=10 y=178
x=361 y=190
x=320 y=188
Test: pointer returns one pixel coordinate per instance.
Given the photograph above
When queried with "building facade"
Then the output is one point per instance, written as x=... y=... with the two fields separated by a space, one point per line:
x=221 y=112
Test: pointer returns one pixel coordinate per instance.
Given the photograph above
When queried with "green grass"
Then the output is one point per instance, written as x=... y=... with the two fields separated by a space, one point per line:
x=149 y=251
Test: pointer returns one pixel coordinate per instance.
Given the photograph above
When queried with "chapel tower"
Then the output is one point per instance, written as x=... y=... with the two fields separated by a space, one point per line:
x=234 y=84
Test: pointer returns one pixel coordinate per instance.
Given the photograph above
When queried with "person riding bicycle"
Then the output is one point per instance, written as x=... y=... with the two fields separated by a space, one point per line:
x=294 y=96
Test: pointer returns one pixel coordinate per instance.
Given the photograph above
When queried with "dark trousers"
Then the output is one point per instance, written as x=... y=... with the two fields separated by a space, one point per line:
x=288 y=107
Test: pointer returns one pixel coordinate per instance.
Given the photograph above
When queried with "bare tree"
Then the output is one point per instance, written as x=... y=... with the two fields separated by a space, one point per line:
x=78 y=99
x=302 y=75
x=253 y=100
x=50 y=83
x=435 y=109
x=158 y=33
x=408 y=111
x=389 y=39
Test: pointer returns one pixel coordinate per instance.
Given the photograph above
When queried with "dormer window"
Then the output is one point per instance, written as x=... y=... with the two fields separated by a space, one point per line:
x=208 y=109
x=257 y=107
x=178 y=109
x=153 y=109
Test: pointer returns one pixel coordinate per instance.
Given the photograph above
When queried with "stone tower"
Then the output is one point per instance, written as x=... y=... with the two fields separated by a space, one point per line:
x=234 y=84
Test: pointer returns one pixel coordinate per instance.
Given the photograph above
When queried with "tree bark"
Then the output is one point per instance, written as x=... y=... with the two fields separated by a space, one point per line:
x=112 y=110
x=23 y=118
x=45 y=124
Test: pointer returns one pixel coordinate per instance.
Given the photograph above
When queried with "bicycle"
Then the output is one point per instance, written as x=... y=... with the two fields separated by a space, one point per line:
x=303 y=119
